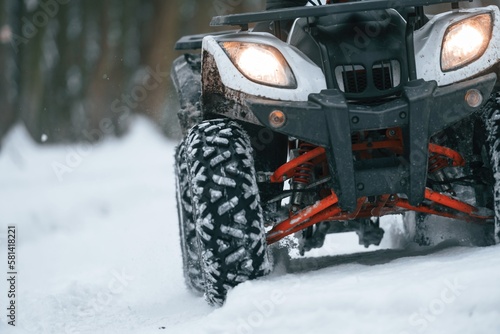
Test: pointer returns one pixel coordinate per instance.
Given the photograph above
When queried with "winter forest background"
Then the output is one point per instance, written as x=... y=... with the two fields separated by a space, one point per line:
x=75 y=70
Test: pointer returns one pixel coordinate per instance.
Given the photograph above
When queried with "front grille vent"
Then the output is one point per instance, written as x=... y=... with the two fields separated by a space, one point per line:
x=386 y=74
x=354 y=79
x=351 y=78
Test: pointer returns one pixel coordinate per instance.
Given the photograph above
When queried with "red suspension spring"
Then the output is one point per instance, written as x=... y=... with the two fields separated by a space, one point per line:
x=303 y=173
x=441 y=157
x=437 y=162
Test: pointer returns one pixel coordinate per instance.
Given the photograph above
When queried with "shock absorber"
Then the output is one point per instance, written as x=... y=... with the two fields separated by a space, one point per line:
x=436 y=165
x=302 y=176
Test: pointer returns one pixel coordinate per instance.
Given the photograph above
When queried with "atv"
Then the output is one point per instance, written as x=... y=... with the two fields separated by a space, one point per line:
x=321 y=119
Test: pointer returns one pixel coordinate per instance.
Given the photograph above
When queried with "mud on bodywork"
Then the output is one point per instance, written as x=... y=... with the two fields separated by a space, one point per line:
x=186 y=75
x=221 y=100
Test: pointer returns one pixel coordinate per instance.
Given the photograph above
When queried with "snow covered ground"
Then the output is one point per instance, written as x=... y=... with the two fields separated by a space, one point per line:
x=98 y=253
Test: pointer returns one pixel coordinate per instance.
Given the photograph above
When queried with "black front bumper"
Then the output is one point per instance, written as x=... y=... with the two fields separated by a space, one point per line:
x=328 y=120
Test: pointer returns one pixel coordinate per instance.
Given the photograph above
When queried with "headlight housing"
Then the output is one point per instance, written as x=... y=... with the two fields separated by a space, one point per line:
x=465 y=41
x=261 y=63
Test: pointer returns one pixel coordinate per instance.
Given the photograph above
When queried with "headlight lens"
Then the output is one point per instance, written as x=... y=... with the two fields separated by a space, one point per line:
x=260 y=63
x=465 y=41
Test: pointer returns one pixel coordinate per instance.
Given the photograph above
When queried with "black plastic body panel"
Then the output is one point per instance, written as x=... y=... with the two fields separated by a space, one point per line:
x=364 y=39
x=329 y=120
x=318 y=11
x=186 y=76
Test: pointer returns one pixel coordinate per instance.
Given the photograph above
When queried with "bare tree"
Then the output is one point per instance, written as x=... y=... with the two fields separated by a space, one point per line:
x=75 y=69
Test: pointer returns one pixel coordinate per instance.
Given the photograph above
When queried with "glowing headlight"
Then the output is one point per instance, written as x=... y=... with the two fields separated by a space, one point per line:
x=261 y=63
x=465 y=41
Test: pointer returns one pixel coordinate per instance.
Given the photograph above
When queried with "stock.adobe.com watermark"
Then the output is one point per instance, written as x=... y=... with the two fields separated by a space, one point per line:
x=87 y=310
x=121 y=107
x=264 y=309
x=421 y=320
x=115 y=287
x=47 y=9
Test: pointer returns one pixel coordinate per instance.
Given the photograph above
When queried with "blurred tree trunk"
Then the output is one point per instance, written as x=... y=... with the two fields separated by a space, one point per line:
x=75 y=69
x=9 y=72
x=74 y=66
x=109 y=75
x=31 y=66
x=158 y=39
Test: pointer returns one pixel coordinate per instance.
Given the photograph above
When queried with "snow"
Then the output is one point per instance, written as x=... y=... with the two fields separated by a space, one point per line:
x=98 y=252
x=234 y=232
x=240 y=217
x=226 y=206
x=215 y=195
x=216 y=139
x=220 y=158
x=224 y=181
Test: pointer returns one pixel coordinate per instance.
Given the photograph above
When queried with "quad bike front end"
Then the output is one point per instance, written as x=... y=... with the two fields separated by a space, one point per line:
x=366 y=111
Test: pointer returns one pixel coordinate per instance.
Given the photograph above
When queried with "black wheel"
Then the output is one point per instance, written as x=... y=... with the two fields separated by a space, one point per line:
x=492 y=120
x=225 y=206
x=187 y=229
x=429 y=230
x=415 y=228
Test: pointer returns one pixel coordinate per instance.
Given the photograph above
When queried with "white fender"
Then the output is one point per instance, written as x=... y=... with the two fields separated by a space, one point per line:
x=428 y=44
x=309 y=77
